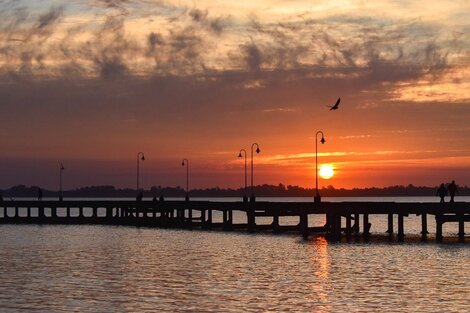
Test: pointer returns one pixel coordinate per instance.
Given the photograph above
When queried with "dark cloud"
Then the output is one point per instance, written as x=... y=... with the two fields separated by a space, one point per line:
x=50 y=17
x=120 y=5
x=198 y=15
x=253 y=56
x=201 y=17
x=154 y=40
x=178 y=53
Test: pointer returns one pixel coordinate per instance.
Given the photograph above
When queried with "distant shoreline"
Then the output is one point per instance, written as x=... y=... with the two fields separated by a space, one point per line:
x=260 y=191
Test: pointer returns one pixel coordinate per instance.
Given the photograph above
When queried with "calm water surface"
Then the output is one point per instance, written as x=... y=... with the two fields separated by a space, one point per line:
x=125 y=269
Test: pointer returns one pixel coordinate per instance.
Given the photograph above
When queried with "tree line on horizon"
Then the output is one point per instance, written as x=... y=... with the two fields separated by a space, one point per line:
x=264 y=190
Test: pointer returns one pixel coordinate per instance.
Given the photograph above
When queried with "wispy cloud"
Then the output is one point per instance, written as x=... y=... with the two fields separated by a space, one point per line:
x=279 y=110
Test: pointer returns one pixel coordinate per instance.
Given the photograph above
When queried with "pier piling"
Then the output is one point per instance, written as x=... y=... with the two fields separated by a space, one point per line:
x=401 y=228
x=424 y=226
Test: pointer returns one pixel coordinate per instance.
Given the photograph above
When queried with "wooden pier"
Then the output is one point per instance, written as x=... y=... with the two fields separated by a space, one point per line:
x=343 y=219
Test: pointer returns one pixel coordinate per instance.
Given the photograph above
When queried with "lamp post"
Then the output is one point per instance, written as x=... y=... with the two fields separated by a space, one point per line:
x=140 y=156
x=252 y=198
x=317 y=197
x=61 y=168
x=245 y=198
x=187 y=177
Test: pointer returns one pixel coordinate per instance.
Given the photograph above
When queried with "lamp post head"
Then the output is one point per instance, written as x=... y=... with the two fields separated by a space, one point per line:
x=258 y=150
x=322 y=140
x=142 y=158
x=240 y=154
x=182 y=163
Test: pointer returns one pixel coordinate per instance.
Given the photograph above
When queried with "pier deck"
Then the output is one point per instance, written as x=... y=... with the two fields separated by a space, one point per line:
x=342 y=218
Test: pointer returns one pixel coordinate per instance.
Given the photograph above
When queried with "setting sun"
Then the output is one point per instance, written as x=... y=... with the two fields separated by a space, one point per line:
x=326 y=171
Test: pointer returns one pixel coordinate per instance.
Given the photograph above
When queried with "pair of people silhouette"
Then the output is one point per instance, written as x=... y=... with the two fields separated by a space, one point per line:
x=451 y=189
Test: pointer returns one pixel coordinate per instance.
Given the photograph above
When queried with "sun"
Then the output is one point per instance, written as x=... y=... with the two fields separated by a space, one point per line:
x=326 y=171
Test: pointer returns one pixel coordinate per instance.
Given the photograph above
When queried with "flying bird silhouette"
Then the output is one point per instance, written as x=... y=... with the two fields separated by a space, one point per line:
x=335 y=107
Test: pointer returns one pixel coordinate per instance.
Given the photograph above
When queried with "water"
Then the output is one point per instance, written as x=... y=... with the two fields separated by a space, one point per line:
x=126 y=269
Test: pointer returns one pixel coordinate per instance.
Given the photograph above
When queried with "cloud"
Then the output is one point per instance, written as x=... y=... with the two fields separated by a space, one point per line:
x=279 y=110
x=120 y=5
x=374 y=54
x=49 y=18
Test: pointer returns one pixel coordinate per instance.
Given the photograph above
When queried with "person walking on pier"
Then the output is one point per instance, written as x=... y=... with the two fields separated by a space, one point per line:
x=1 y=197
x=39 y=194
x=452 y=189
x=442 y=192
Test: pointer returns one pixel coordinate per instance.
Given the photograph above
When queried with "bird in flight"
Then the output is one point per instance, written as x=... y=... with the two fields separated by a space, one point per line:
x=335 y=107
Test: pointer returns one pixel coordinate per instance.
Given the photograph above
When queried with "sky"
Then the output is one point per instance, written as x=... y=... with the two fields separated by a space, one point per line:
x=90 y=83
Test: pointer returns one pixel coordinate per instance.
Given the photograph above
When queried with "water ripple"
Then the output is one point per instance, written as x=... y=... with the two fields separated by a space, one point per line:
x=121 y=269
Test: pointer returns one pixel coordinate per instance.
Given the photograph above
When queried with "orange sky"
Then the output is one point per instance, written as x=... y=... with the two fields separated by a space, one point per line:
x=93 y=83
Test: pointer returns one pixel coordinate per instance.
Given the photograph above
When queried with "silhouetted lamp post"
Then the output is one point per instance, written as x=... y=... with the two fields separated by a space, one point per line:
x=140 y=156
x=245 y=198
x=61 y=168
x=317 y=197
x=252 y=198
x=187 y=177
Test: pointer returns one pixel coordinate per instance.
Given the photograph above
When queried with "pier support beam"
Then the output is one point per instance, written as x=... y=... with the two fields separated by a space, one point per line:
x=251 y=219
x=41 y=214
x=424 y=226
x=366 y=226
x=335 y=227
x=109 y=212
x=390 y=225
x=439 y=227
x=304 y=224
x=209 y=219
x=179 y=216
x=461 y=228
x=190 y=218
x=275 y=224
x=401 y=228
x=203 y=219
x=356 y=226
x=348 y=226
x=227 y=219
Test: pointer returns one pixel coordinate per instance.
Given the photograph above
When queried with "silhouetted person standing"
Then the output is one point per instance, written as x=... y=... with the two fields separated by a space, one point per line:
x=139 y=196
x=39 y=194
x=1 y=197
x=452 y=189
x=442 y=192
